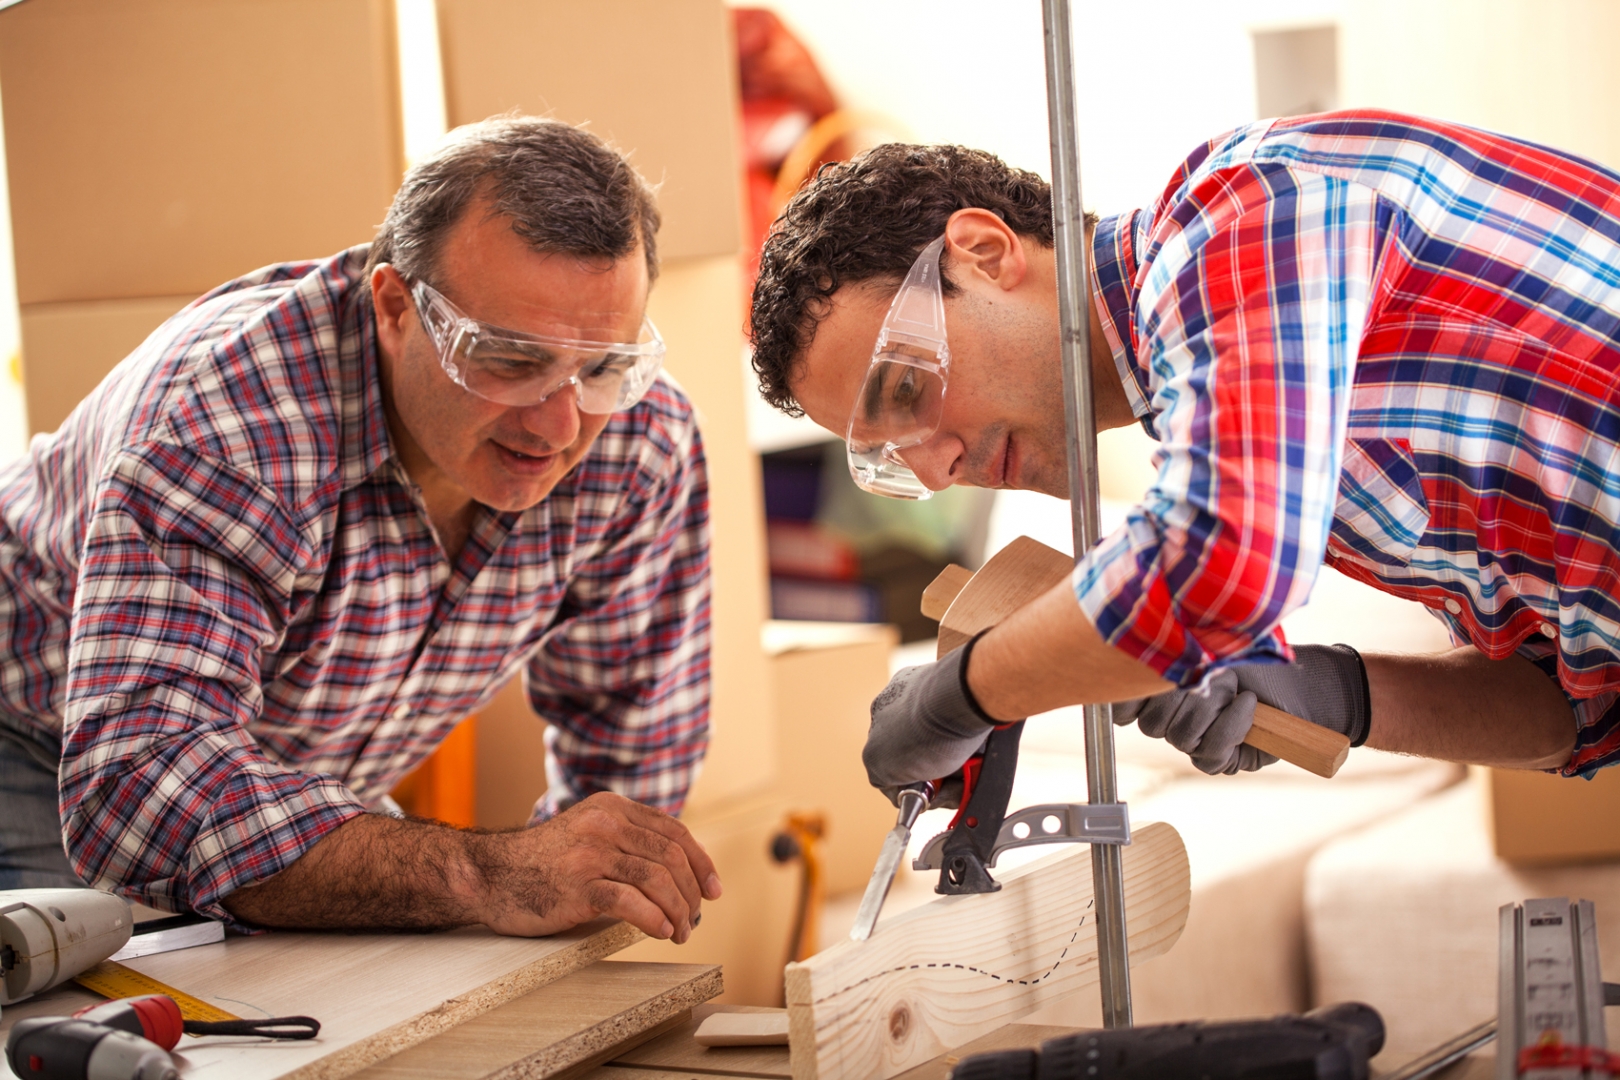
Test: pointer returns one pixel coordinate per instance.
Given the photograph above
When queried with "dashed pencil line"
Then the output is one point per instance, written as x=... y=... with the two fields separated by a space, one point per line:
x=965 y=967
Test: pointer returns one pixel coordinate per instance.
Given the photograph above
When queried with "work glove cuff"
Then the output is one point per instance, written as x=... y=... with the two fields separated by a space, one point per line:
x=948 y=704
x=1338 y=678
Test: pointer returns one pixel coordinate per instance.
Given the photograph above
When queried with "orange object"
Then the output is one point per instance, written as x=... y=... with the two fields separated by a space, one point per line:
x=445 y=786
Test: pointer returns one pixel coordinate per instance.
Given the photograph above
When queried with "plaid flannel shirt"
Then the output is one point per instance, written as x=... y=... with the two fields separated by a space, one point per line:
x=224 y=601
x=1384 y=343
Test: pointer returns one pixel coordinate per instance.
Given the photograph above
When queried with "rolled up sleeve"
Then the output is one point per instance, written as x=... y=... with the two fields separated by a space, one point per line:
x=1253 y=294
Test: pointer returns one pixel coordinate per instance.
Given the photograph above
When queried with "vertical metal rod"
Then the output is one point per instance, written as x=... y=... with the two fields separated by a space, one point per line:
x=1068 y=219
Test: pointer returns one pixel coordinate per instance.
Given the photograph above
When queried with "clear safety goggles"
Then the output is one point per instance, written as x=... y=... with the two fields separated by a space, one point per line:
x=904 y=391
x=510 y=367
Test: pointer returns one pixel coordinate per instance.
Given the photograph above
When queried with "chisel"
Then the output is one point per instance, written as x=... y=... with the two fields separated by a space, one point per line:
x=914 y=800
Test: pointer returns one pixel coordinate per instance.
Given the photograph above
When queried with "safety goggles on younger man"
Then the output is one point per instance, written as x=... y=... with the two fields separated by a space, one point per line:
x=510 y=367
x=900 y=402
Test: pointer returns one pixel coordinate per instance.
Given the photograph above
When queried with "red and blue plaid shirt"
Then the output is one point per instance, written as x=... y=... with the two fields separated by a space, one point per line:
x=1387 y=344
x=220 y=591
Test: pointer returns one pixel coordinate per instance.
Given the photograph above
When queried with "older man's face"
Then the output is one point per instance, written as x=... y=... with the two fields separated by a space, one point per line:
x=507 y=457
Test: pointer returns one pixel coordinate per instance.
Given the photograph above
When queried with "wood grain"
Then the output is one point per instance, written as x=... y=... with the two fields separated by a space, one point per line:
x=579 y=1020
x=1025 y=569
x=936 y=599
x=374 y=994
x=943 y=974
x=1012 y=577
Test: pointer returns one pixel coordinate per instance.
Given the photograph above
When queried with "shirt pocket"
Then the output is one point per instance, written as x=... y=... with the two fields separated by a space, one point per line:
x=1381 y=513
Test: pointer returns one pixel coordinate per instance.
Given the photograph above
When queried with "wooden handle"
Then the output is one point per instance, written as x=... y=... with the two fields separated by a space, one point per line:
x=967 y=603
x=1314 y=749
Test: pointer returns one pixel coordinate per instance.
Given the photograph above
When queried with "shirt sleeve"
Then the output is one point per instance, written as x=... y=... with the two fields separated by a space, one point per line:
x=1251 y=305
x=186 y=575
x=623 y=680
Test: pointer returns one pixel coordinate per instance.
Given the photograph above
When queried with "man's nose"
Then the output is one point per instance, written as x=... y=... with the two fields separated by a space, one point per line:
x=938 y=461
x=556 y=419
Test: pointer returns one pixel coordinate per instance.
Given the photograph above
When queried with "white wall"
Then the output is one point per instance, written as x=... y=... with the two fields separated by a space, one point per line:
x=1156 y=77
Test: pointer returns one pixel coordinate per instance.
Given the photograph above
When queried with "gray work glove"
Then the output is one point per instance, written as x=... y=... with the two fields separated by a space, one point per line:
x=1326 y=684
x=925 y=724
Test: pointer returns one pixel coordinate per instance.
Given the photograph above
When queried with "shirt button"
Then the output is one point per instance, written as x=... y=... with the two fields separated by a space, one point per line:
x=401 y=712
x=1548 y=630
x=1454 y=607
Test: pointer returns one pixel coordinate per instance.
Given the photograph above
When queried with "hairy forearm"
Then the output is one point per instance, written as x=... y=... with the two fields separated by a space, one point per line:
x=371 y=873
x=1047 y=655
x=604 y=856
x=1463 y=706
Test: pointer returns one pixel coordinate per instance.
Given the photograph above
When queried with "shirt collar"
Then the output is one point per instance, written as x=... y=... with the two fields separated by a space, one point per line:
x=365 y=424
x=1114 y=244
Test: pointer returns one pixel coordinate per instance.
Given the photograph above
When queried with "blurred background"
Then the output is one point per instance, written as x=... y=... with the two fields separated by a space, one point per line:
x=157 y=147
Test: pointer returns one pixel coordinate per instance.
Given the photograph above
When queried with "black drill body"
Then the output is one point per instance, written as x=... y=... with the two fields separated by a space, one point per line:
x=1332 y=1043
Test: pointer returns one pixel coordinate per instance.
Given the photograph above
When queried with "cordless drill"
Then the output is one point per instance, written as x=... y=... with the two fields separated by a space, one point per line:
x=1331 y=1043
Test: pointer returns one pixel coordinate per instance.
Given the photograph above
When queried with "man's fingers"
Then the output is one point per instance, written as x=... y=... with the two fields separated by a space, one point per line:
x=703 y=869
x=626 y=902
x=654 y=881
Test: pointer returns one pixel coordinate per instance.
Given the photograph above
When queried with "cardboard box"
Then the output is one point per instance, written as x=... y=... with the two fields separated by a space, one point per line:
x=160 y=147
x=67 y=349
x=656 y=77
x=1539 y=819
x=826 y=676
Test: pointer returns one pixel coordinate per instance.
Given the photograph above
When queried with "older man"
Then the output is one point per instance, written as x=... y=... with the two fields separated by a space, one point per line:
x=326 y=511
x=1379 y=342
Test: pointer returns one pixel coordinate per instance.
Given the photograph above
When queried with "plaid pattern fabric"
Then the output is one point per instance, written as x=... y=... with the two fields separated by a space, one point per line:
x=223 y=597
x=1384 y=343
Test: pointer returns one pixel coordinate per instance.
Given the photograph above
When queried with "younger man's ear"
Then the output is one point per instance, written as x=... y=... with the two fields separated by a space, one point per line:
x=979 y=242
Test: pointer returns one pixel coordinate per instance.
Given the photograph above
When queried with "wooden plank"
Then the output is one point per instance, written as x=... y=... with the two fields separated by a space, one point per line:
x=1025 y=569
x=678 y=1052
x=575 y=1021
x=943 y=974
x=768 y=1028
x=1013 y=576
x=936 y=599
x=374 y=994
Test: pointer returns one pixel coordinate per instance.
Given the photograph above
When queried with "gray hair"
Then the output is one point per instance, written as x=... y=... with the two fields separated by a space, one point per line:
x=564 y=189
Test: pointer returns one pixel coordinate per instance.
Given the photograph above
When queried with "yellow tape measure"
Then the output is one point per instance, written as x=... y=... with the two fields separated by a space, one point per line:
x=113 y=980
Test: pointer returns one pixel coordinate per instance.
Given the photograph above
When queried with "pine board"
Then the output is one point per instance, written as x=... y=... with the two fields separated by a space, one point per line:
x=943 y=974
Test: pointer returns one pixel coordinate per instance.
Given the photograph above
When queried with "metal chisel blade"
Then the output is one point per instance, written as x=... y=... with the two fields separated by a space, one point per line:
x=877 y=889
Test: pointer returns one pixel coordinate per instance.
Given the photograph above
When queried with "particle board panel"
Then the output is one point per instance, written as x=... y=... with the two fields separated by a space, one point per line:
x=943 y=974
x=67 y=349
x=160 y=147
x=375 y=994
x=574 y=1021
x=656 y=77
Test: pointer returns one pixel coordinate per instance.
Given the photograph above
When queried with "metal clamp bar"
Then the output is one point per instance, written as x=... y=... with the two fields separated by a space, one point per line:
x=1080 y=428
x=1049 y=823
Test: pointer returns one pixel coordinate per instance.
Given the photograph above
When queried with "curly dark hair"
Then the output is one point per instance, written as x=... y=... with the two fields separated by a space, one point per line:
x=866 y=220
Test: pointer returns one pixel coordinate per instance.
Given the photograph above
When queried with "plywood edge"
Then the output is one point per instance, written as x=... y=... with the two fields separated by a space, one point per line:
x=605 y=941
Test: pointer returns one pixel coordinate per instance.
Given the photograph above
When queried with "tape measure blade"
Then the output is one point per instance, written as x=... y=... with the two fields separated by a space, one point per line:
x=111 y=979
